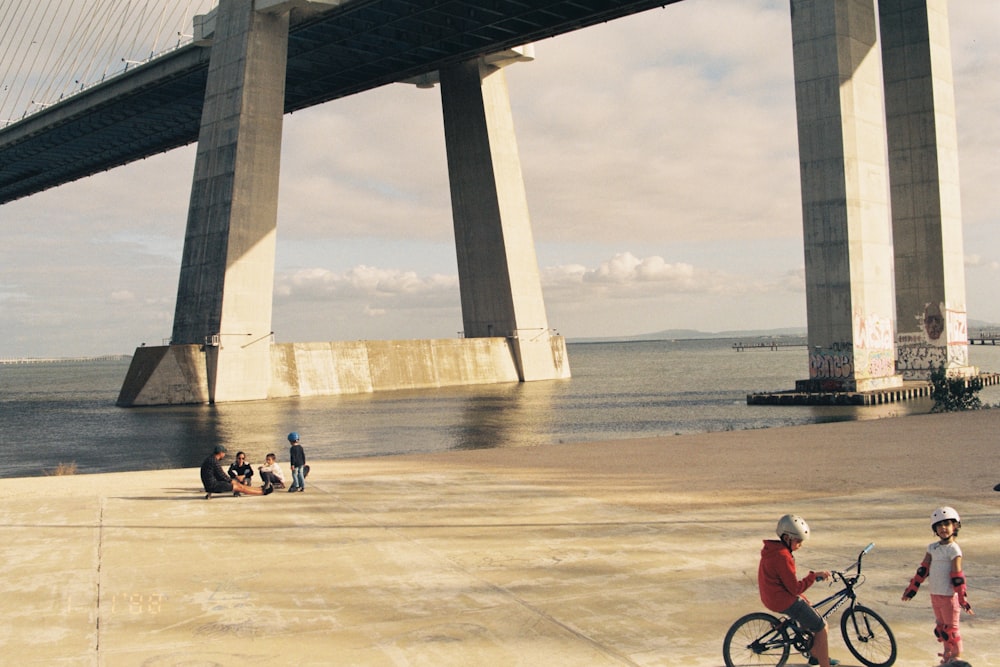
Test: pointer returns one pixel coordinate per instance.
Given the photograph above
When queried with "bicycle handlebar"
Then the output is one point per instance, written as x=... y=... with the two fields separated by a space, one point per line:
x=839 y=574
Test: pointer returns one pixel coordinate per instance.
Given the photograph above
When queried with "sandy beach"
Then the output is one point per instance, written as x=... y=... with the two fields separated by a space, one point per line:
x=637 y=552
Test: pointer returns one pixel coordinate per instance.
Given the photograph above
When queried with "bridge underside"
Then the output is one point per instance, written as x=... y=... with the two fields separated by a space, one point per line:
x=356 y=46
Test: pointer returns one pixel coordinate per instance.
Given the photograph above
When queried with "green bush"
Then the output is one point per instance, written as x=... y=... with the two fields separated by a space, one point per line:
x=955 y=393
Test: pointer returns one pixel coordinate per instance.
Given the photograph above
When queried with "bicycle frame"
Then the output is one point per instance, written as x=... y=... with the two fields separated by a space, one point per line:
x=834 y=601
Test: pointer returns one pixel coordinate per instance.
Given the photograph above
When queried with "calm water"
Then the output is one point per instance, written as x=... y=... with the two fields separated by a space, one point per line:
x=65 y=413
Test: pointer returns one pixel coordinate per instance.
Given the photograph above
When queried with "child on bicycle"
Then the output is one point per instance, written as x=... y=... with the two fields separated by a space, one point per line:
x=781 y=590
x=942 y=566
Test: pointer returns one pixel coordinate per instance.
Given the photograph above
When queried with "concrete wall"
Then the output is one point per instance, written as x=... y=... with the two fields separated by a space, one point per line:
x=177 y=374
x=355 y=367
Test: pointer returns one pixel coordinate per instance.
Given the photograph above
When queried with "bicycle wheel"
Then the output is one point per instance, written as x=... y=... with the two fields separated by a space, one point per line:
x=755 y=639
x=868 y=637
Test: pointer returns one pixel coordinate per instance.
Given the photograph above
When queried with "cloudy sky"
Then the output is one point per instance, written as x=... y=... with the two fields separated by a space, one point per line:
x=660 y=161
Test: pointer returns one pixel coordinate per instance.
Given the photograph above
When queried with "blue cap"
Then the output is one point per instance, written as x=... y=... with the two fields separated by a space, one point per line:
x=293 y=436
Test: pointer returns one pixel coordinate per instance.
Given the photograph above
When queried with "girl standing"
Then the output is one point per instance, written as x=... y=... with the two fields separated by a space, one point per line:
x=942 y=567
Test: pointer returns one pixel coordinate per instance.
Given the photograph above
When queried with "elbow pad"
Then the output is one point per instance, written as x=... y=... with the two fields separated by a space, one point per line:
x=958 y=583
x=915 y=582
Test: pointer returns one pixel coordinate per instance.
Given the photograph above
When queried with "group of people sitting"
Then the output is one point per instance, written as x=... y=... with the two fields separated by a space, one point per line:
x=271 y=475
x=239 y=481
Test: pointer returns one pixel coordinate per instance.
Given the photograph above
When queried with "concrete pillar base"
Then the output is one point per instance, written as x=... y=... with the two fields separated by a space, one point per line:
x=837 y=385
x=540 y=357
x=179 y=374
x=166 y=375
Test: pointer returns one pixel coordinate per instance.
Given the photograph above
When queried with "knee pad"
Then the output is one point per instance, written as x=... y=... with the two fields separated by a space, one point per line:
x=954 y=641
x=941 y=632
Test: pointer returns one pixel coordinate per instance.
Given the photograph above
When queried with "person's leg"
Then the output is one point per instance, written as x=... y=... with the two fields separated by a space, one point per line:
x=218 y=487
x=249 y=490
x=807 y=617
x=821 y=647
x=947 y=614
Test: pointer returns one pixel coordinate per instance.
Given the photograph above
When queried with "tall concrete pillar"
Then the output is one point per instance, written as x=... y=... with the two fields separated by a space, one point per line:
x=227 y=270
x=926 y=208
x=497 y=267
x=845 y=207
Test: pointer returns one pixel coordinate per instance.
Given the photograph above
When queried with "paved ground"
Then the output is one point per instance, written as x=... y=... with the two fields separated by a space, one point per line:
x=620 y=553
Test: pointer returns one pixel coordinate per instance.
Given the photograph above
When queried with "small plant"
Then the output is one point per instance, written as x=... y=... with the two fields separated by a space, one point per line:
x=62 y=469
x=952 y=394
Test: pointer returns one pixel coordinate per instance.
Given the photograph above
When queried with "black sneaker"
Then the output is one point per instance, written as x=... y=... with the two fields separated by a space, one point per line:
x=208 y=495
x=814 y=661
x=237 y=494
x=293 y=489
x=268 y=489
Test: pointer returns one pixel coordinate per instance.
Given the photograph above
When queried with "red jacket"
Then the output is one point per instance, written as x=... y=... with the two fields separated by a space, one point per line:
x=776 y=577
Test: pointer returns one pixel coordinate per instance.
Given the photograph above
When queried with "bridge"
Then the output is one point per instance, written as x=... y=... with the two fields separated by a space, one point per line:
x=335 y=49
x=884 y=284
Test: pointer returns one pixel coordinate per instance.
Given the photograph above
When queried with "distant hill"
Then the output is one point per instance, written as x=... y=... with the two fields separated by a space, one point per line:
x=975 y=326
x=694 y=334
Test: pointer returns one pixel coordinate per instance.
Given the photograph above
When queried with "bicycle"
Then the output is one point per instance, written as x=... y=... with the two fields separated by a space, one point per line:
x=763 y=639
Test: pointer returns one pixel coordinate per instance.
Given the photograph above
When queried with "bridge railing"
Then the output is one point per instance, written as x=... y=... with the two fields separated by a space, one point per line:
x=39 y=107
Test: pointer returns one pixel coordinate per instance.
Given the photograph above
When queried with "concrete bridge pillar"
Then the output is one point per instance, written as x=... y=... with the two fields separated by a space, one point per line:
x=845 y=208
x=497 y=267
x=926 y=209
x=227 y=270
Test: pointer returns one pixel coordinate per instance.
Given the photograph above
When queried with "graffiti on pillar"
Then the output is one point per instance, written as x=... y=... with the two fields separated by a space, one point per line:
x=933 y=321
x=958 y=327
x=875 y=343
x=835 y=364
x=873 y=332
x=876 y=363
x=941 y=338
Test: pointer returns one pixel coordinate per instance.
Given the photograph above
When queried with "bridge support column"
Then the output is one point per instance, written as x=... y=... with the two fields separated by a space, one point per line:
x=227 y=272
x=497 y=267
x=926 y=209
x=845 y=208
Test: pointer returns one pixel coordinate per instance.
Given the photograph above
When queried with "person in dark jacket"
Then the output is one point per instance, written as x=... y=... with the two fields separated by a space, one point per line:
x=240 y=470
x=216 y=481
x=297 y=456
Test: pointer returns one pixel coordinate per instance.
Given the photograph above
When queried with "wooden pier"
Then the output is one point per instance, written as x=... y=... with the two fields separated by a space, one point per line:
x=985 y=338
x=766 y=345
x=909 y=391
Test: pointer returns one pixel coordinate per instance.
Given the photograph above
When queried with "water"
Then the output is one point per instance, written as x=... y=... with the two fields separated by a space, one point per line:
x=64 y=413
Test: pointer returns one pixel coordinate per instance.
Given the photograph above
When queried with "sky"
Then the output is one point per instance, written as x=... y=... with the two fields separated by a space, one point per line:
x=660 y=161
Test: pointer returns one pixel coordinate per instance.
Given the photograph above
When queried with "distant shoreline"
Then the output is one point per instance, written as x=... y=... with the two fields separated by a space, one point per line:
x=62 y=360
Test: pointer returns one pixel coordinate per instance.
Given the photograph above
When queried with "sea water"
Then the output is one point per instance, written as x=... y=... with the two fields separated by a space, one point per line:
x=64 y=413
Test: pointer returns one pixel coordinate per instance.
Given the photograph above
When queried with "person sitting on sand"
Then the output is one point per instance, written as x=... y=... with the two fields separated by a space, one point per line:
x=271 y=476
x=216 y=481
x=240 y=470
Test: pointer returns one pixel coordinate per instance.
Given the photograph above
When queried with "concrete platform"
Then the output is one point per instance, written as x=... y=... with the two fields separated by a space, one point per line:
x=621 y=553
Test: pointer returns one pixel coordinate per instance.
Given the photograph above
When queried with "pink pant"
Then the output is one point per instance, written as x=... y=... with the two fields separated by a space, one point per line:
x=946 y=613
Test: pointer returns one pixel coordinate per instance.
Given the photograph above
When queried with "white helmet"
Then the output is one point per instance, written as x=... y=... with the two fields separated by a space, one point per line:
x=793 y=525
x=944 y=514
